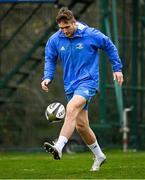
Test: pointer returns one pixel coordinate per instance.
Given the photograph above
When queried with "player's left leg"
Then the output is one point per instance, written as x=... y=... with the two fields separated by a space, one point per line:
x=83 y=128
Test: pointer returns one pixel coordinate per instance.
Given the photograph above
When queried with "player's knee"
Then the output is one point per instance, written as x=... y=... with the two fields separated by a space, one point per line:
x=81 y=127
x=71 y=112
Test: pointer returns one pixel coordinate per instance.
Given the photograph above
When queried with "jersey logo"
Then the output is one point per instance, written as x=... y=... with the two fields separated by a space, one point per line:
x=62 y=48
x=79 y=46
x=86 y=92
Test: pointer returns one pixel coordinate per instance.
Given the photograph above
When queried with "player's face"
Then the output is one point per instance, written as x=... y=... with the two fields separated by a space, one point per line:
x=68 y=28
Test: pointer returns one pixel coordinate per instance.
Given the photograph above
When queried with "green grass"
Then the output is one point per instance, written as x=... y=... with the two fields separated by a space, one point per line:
x=119 y=165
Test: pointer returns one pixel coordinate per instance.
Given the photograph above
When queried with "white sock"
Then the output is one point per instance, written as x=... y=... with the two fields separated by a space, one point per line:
x=95 y=148
x=62 y=140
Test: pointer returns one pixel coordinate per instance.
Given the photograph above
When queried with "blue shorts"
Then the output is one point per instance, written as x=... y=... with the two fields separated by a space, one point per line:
x=85 y=89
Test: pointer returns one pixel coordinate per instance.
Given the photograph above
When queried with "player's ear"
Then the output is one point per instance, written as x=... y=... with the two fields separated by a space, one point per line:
x=74 y=20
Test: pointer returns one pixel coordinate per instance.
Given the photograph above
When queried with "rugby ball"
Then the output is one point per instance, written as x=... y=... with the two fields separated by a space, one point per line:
x=55 y=112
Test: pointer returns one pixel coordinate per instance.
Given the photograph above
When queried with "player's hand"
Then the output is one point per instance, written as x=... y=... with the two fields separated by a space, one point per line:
x=44 y=84
x=119 y=77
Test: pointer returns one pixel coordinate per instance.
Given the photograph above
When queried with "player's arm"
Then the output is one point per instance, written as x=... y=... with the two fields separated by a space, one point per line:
x=118 y=76
x=45 y=84
x=103 y=42
x=49 y=65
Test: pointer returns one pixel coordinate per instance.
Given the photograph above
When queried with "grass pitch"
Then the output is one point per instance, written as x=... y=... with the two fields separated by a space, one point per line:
x=119 y=165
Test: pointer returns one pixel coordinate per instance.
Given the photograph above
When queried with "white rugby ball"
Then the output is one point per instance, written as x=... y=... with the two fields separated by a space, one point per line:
x=55 y=112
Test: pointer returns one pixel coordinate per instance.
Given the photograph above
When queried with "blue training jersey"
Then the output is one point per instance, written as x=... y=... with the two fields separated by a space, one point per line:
x=79 y=55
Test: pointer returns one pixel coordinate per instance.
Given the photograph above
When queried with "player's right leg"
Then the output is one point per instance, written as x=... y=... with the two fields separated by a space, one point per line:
x=74 y=106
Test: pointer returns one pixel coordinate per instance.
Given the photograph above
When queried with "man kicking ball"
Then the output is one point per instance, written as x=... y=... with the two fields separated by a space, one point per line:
x=77 y=45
